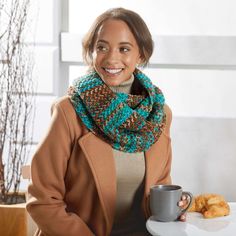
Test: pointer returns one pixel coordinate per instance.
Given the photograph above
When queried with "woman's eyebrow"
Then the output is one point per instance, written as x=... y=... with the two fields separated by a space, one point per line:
x=121 y=43
x=102 y=41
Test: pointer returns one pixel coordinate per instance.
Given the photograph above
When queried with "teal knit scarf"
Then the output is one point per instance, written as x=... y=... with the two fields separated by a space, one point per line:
x=130 y=123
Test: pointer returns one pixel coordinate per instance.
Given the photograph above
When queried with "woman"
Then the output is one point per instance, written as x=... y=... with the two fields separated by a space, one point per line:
x=109 y=139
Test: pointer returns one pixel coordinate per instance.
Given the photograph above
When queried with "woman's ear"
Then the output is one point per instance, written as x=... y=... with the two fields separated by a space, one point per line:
x=139 y=61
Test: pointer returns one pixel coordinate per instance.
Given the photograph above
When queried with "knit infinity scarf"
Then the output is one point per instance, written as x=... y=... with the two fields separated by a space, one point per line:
x=130 y=123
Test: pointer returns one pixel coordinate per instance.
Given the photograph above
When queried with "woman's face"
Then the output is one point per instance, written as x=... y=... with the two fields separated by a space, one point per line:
x=115 y=53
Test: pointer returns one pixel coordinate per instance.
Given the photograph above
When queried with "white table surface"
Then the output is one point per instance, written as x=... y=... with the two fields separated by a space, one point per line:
x=196 y=225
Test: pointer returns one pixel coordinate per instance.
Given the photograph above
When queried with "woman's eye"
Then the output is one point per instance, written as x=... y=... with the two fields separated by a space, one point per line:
x=123 y=49
x=101 y=48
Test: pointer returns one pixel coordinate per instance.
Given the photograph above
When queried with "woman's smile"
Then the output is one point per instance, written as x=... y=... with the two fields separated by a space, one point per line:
x=113 y=71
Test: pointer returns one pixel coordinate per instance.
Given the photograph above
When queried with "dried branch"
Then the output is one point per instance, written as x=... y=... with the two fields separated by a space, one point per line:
x=16 y=95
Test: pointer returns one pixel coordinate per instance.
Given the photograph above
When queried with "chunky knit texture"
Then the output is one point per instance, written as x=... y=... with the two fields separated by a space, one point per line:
x=130 y=123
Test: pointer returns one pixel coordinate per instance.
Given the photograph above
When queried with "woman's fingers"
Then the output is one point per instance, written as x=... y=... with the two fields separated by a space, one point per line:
x=182 y=217
x=183 y=204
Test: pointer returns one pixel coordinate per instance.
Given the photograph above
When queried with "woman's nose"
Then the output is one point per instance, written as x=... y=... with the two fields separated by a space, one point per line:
x=113 y=55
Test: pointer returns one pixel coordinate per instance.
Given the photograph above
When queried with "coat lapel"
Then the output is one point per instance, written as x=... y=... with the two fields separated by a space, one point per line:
x=99 y=155
x=155 y=164
x=152 y=164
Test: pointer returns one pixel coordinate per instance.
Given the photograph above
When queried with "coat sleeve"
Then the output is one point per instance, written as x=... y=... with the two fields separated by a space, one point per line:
x=47 y=190
x=165 y=178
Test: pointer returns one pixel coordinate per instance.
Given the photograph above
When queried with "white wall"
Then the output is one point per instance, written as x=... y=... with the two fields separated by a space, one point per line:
x=204 y=153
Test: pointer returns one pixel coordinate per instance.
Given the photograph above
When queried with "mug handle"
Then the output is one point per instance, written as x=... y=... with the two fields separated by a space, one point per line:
x=190 y=201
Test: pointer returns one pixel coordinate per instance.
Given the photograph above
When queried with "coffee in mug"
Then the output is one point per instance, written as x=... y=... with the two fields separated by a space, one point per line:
x=164 y=202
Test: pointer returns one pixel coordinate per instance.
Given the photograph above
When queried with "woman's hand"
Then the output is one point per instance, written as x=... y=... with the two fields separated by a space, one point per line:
x=183 y=204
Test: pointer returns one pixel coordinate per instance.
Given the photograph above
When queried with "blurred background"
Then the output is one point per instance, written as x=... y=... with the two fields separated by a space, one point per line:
x=194 y=64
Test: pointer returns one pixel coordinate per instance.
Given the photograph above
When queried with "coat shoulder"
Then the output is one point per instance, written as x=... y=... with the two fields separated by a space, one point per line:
x=168 y=113
x=65 y=106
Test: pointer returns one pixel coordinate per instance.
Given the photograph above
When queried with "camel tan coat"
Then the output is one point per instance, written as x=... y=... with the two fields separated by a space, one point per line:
x=73 y=189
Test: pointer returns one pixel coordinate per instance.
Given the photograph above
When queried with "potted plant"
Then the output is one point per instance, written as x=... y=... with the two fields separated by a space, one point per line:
x=16 y=99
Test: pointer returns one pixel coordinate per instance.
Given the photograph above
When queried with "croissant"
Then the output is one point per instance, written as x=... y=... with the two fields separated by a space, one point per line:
x=210 y=205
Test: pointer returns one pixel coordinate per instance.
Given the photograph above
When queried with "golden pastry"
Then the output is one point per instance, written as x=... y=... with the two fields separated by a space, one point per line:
x=210 y=205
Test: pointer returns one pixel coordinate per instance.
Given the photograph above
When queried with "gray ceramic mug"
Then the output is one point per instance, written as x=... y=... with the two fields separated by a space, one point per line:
x=164 y=202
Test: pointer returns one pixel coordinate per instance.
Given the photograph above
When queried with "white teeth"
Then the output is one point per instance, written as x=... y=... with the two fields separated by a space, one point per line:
x=113 y=71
